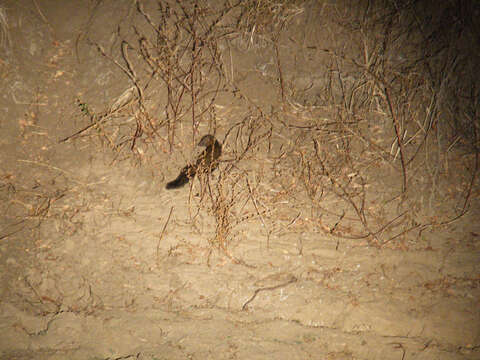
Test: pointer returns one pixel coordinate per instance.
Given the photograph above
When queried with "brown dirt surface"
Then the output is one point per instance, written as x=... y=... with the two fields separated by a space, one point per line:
x=318 y=236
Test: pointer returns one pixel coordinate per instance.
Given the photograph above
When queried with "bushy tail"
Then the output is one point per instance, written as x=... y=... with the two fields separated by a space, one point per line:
x=206 y=162
x=183 y=178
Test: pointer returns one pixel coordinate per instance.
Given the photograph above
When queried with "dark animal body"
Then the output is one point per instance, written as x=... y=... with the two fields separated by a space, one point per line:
x=207 y=161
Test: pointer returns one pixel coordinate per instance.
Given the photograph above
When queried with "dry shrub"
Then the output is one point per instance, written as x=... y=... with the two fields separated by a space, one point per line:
x=232 y=190
x=169 y=54
x=399 y=95
x=413 y=81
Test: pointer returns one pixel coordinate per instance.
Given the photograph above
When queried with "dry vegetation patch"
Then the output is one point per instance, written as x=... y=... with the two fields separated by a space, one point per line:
x=367 y=139
x=396 y=103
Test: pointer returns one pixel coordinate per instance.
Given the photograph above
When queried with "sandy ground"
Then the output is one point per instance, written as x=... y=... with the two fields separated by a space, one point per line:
x=99 y=261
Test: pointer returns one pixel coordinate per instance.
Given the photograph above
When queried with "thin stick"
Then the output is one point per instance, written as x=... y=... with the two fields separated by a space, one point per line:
x=399 y=139
x=79 y=132
x=292 y=280
x=258 y=212
x=44 y=18
x=163 y=232
x=280 y=75
x=45 y=165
